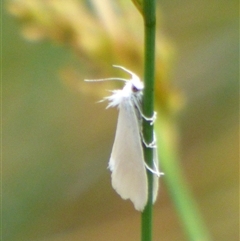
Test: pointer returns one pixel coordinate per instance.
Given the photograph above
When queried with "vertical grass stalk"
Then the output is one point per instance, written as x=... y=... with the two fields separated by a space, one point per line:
x=149 y=16
x=185 y=205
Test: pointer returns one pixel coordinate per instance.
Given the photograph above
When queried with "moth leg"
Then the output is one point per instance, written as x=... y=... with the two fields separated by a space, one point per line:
x=150 y=119
x=151 y=144
x=156 y=172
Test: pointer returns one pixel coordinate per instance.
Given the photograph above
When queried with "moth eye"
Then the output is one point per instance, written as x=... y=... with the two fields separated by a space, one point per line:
x=135 y=89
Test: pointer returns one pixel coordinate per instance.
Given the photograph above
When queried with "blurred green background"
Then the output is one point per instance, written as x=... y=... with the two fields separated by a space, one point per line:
x=57 y=140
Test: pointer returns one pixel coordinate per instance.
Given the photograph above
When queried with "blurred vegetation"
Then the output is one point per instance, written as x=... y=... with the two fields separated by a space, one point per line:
x=57 y=141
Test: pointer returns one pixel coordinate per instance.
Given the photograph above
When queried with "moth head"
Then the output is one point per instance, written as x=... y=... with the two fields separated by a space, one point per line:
x=135 y=85
x=132 y=89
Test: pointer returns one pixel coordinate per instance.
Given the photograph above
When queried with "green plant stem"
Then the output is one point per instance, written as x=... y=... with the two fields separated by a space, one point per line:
x=149 y=16
x=184 y=203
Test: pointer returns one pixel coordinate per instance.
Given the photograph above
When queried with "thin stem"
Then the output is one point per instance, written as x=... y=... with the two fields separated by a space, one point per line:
x=185 y=204
x=148 y=107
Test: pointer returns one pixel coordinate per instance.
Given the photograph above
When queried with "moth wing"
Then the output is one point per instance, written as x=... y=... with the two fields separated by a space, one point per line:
x=129 y=177
x=155 y=177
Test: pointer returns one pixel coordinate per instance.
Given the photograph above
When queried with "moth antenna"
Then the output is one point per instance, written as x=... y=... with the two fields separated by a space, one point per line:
x=126 y=70
x=105 y=79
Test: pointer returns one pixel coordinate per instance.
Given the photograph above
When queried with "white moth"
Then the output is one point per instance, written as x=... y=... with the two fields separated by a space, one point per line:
x=127 y=164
